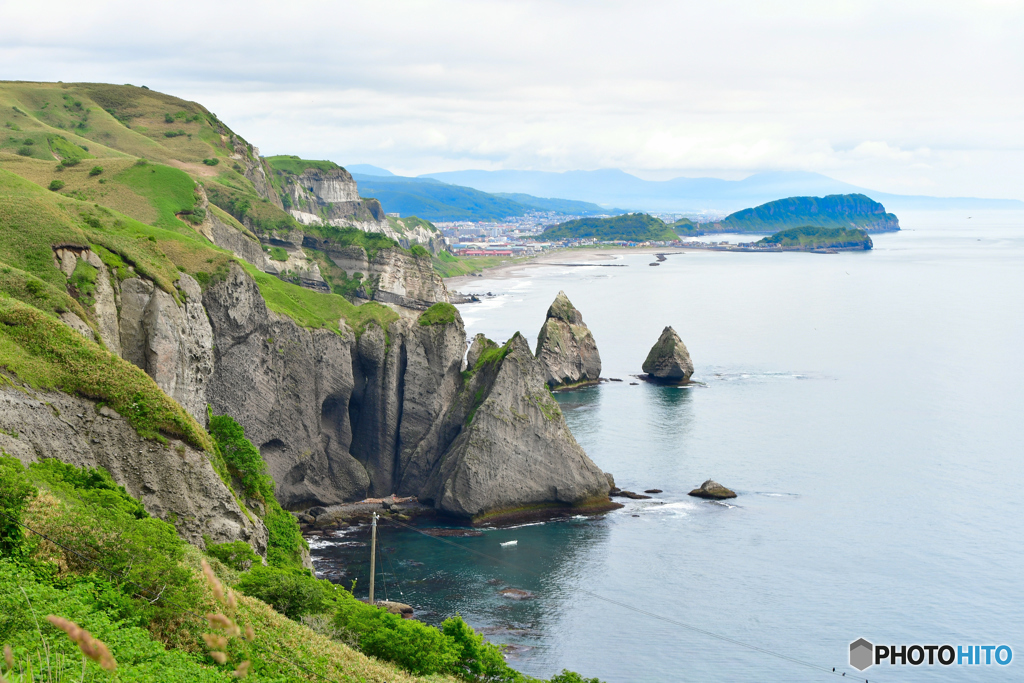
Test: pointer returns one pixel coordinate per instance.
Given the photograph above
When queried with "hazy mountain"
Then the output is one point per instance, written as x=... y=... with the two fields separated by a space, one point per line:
x=368 y=169
x=612 y=187
x=440 y=201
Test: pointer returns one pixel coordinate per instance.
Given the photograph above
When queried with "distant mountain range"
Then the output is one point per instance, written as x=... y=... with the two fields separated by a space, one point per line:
x=441 y=201
x=611 y=187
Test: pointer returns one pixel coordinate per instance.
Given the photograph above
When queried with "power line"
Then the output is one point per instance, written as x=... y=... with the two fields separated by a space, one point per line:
x=142 y=593
x=695 y=629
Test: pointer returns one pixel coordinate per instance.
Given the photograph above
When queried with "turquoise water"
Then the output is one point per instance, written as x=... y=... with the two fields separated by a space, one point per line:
x=867 y=407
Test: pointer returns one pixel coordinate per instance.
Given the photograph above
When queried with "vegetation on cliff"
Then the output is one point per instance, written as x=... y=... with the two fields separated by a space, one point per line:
x=632 y=227
x=127 y=578
x=441 y=313
x=812 y=237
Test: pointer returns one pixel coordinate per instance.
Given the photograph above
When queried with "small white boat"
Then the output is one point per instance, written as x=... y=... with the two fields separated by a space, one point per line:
x=508 y=543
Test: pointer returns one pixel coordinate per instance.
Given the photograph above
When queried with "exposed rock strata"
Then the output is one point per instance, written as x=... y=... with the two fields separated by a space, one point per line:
x=565 y=346
x=668 y=360
x=399 y=278
x=174 y=482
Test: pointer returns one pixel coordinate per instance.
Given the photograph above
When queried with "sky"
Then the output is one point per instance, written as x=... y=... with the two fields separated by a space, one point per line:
x=906 y=97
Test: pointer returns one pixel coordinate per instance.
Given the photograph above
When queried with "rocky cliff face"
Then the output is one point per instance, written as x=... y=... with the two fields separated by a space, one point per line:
x=400 y=279
x=566 y=348
x=331 y=197
x=668 y=360
x=175 y=482
x=338 y=418
x=509 y=447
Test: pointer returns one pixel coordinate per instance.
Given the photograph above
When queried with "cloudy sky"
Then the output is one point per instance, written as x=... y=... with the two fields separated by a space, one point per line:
x=912 y=97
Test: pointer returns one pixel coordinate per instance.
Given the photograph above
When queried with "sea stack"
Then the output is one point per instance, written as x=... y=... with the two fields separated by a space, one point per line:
x=566 y=348
x=669 y=361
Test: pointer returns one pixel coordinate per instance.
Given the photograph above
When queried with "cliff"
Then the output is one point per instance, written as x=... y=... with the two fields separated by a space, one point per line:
x=566 y=348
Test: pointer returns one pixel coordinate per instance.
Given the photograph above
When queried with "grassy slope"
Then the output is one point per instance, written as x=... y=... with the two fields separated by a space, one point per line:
x=401 y=225
x=447 y=265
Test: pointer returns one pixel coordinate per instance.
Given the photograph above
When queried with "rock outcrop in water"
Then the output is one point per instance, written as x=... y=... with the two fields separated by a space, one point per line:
x=668 y=360
x=713 y=490
x=566 y=348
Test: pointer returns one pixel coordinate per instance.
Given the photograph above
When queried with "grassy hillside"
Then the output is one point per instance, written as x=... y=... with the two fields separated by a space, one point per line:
x=812 y=237
x=833 y=211
x=635 y=227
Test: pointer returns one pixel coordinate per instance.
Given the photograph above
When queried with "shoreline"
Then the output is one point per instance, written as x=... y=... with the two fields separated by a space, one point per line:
x=581 y=257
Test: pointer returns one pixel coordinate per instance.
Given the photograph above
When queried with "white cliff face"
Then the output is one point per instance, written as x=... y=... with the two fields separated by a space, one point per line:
x=173 y=343
x=400 y=279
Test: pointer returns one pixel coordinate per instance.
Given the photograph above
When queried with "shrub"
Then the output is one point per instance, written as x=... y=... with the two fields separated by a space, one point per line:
x=15 y=494
x=237 y=555
x=211 y=162
x=441 y=313
x=242 y=458
x=29 y=141
x=25 y=151
x=477 y=659
x=293 y=592
x=174 y=133
x=285 y=545
x=419 y=251
x=56 y=185
x=95 y=171
x=278 y=254
x=93 y=486
x=413 y=645
x=168 y=118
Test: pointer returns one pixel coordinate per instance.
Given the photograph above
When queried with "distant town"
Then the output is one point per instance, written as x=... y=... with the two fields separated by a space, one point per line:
x=519 y=236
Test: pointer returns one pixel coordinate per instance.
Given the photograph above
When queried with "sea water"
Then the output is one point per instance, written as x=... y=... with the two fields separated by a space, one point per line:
x=867 y=407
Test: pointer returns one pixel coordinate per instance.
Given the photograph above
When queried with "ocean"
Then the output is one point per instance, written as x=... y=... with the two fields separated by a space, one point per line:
x=867 y=407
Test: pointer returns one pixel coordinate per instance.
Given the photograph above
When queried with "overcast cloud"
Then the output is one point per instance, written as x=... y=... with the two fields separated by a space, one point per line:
x=913 y=97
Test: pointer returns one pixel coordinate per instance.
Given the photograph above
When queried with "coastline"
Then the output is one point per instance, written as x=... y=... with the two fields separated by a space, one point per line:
x=590 y=255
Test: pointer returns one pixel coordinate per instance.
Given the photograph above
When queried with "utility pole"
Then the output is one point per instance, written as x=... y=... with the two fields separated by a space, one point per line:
x=373 y=554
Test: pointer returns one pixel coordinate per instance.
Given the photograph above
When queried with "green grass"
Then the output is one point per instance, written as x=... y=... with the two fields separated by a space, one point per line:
x=440 y=313
x=170 y=190
x=48 y=354
x=278 y=254
x=41 y=294
x=448 y=265
x=318 y=309
x=296 y=165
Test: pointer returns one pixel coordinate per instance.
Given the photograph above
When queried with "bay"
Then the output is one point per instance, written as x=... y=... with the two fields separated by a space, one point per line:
x=868 y=407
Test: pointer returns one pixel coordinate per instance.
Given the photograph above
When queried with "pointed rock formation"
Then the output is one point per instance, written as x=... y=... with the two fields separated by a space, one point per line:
x=510 y=450
x=566 y=348
x=669 y=361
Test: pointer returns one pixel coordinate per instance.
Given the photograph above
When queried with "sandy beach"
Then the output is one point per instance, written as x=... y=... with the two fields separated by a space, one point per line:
x=514 y=269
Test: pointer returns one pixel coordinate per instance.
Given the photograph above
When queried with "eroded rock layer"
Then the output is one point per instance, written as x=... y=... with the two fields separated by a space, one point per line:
x=566 y=348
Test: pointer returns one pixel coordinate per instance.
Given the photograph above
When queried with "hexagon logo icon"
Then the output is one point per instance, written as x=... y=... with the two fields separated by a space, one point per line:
x=862 y=654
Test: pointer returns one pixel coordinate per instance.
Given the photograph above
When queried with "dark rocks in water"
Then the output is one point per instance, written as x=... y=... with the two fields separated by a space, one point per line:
x=622 y=493
x=634 y=384
x=654 y=264
x=653 y=491
x=516 y=594
x=400 y=608
x=668 y=360
x=460 y=533
x=566 y=348
x=713 y=490
x=614 y=379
